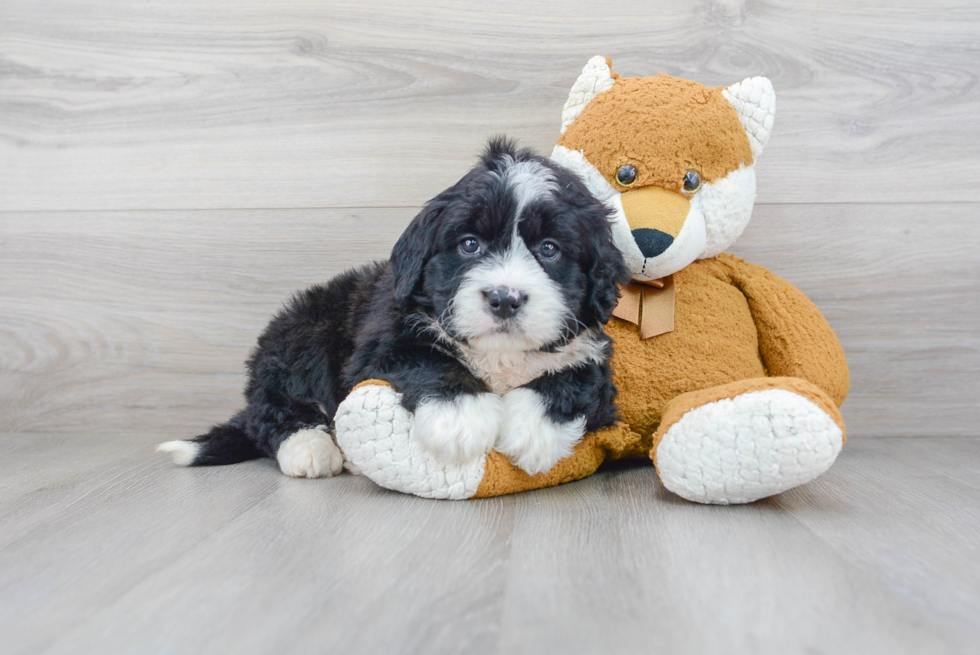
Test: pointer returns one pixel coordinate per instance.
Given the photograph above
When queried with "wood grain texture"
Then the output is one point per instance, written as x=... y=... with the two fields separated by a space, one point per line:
x=171 y=172
x=110 y=104
x=135 y=555
x=123 y=321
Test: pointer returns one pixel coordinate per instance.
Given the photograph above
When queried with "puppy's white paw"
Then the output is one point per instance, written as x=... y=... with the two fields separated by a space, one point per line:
x=531 y=440
x=310 y=453
x=459 y=430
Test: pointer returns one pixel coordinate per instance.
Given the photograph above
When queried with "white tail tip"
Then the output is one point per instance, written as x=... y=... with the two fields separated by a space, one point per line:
x=183 y=452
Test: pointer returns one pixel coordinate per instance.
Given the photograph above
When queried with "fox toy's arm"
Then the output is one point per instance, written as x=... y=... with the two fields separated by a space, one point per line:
x=795 y=339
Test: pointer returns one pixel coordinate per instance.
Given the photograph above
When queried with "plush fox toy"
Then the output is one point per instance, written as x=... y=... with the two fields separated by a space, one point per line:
x=729 y=378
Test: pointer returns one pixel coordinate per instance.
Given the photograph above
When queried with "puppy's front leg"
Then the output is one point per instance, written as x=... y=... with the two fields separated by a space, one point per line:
x=530 y=438
x=544 y=420
x=459 y=429
x=456 y=418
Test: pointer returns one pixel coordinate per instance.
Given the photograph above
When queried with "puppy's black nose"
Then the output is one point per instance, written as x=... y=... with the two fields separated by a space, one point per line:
x=652 y=242
x=504 y=302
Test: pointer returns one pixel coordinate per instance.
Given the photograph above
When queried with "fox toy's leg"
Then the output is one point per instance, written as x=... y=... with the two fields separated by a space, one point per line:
x=746 y=440
x=374 y=432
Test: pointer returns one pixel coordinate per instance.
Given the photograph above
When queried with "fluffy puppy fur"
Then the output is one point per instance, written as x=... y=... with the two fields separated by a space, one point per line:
x=488 y=318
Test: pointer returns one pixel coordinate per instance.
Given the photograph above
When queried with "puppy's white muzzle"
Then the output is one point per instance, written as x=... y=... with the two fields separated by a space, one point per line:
x=508 y=302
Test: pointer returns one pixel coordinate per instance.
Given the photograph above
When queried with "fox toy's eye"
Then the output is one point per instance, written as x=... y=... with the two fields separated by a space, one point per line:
x=469 y=246
x=549 y=249
x=626 y=175
x=692 y=182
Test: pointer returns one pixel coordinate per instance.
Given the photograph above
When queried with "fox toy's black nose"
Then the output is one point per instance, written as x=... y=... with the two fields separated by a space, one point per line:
x=652 y=242
x=504 y=302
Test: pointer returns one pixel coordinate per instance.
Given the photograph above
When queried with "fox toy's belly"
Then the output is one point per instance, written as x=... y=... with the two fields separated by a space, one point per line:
x=714 y=342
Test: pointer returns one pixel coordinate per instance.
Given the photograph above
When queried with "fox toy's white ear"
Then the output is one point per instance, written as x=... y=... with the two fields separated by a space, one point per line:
x=755 y=101
x=596 y=77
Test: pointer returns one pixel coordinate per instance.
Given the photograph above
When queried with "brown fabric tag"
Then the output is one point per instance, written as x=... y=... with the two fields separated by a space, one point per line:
x=658 y=310
x=628 y=307
x=649 y=305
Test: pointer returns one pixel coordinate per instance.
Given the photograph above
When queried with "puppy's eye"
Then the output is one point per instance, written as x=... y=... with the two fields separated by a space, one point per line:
x=626 y=175
x=692 y=182
x=549 y=249
x=469 y=246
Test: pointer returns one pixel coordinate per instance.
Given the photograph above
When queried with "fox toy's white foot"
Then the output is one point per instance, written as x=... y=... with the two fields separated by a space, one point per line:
x=741 y=449
x=377 y=436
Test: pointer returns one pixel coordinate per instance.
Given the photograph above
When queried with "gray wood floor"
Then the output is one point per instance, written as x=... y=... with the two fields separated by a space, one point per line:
x=171 y=172
x=106 y=547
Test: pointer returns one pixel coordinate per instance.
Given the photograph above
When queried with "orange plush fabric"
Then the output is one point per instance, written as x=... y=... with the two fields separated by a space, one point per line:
x=733 y=321
x=662 y=125
x=502 y=477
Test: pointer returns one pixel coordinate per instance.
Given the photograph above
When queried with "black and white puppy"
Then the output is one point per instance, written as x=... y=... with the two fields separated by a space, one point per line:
x=488 y=318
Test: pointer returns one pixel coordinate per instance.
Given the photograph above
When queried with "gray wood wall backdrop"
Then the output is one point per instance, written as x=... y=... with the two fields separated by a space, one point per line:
x=169 y=172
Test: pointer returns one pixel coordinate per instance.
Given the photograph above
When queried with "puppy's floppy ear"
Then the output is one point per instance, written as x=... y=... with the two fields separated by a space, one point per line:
x=413 y=249
x=608 y=269
x=603 y=262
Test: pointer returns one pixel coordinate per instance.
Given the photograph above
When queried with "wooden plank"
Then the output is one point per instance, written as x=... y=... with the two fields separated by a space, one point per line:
x=109 y=104
x=917 y=518
x=652 y=573
x=142 y=320
x=148 y=553
x=34 y=461
x=875 y=556
x=72 y=547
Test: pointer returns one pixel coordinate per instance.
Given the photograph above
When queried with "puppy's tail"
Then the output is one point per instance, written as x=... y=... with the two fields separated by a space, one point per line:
x=223 y=444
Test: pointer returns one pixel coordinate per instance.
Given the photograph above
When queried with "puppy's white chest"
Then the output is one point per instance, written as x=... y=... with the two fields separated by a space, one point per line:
x=503 y=371
x=507 y=370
